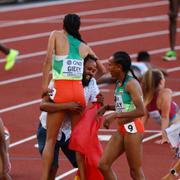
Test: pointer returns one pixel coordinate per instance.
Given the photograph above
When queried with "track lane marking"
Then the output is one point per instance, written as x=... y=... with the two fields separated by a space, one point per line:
x=108 y=41
x=91 y=27
x=29 y=103
x=38 y=5
x=37 y=75
x=75 y=169
x=86 y=13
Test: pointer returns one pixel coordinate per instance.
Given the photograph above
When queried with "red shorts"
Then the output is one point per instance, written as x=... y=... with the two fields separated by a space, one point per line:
x=68 y=91
x=132 y=127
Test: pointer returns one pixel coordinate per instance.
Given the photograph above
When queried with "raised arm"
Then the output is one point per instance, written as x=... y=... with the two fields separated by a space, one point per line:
x=164 y=99
x=101 y=68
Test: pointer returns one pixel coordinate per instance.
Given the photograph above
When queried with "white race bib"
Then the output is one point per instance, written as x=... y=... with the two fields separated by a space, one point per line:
x=72 y=68
x=119 y=107
x=130 y=127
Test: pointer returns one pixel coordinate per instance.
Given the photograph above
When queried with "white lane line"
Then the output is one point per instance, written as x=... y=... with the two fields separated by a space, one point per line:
x=130 y=37
x=91 y=27
x=22 y=141
x=20 y=106
x=173 y=69
x=74 y=170
x=36 y=75
x=38 y=5
x=105 y=138
x=151 y=137
x=91 y=12
x=176 y=94
x=39 y=100
x=66 y=174
x=108 y=41
x=22 y=78
x=153 y=52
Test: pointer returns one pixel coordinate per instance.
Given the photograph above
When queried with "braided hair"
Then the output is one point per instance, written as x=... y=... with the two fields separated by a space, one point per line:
x=71 y=24
x=124 y=60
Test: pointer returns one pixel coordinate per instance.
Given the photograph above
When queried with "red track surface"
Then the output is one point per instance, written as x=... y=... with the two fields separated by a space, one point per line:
x=23 y=121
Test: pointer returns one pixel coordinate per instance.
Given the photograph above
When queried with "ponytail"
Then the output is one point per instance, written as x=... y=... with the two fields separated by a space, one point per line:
x=150 y=84
x=133 y=74
x=71 y=24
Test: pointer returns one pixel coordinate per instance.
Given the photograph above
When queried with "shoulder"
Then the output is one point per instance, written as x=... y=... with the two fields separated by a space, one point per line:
x=165 y=92
x=132 y=85
x=57 y=33
x=132 y=82
x=84 y=50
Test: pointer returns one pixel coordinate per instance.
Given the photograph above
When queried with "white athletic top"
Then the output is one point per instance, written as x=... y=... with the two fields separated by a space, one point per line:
x=90 y=92
x=141 y=66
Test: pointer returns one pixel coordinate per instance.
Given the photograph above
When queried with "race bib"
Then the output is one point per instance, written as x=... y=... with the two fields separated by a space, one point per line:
x=72 y=68
x=130 y=127
x=119 y=104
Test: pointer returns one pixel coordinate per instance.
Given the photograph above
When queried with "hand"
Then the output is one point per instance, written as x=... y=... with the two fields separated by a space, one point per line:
x=164 y=138
x=108 y=119
x=45 y=92
x=101 y=111
x=74 y=106
x=100 y=98
x=163 y=141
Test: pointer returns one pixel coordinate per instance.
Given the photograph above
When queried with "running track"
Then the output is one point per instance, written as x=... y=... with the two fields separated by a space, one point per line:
x=107 y=26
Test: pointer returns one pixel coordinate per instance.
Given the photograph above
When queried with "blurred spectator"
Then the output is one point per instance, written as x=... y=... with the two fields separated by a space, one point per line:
x=144 y=63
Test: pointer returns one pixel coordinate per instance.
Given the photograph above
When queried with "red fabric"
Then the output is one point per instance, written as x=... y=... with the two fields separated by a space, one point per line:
x=84 y=139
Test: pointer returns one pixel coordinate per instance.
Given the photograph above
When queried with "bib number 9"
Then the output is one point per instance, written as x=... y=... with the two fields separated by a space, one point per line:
x=130 y=127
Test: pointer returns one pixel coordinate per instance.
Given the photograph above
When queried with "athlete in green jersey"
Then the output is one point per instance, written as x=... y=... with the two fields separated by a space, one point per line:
x=129 y=107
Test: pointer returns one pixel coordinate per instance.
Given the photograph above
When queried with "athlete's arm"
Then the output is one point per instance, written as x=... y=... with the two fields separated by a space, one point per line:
x=106 y=78
x=164 y=106
x=48 y=62
x=101 y=68
x=85 y=50
x=134 y=89
x=145 y=118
